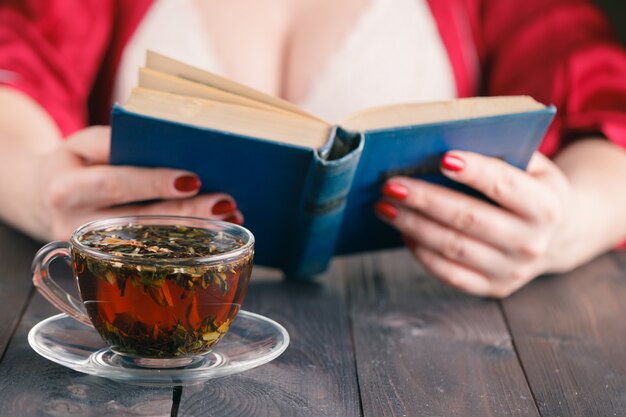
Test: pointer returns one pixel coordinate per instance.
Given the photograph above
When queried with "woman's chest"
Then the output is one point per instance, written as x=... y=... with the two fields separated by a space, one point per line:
x=330 y=58
x=278 y=45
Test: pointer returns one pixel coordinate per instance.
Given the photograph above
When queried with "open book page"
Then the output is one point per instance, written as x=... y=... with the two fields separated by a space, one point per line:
x=179 y=69
x=232 y=118
x=195 y=96
x=442 y=111
x=160 y=81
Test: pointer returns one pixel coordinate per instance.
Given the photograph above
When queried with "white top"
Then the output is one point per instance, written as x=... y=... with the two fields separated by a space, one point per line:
x=393 y=54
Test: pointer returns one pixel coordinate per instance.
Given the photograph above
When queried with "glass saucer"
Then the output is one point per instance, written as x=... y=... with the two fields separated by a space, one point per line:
x=251 y=341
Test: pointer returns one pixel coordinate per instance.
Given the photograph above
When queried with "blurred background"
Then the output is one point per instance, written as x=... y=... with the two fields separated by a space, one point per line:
x=616 y=10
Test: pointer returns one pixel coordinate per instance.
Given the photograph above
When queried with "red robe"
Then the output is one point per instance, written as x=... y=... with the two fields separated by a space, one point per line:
x=64 y=54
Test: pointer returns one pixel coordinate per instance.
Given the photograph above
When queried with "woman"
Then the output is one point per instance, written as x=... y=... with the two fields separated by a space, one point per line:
x=65 y=62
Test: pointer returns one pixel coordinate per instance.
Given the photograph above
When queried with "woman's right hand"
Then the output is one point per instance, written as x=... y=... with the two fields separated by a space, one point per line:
x=75 y=185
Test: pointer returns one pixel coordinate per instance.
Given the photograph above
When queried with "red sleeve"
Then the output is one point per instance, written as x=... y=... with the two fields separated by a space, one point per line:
x=561 y=52
x=52 y=51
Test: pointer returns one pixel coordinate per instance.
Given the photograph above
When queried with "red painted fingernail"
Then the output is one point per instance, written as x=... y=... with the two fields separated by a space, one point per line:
x=396 y=191
x=233 y=219
x=410 y=243
x=452 y=163
x=386 y=210
x=186 y=183
x=223 y=207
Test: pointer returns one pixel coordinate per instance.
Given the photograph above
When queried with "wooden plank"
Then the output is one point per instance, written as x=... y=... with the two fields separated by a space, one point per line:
x=16 y=255
x=315 y=376
x=33 y=386
x=426 y=350
x=570 y=333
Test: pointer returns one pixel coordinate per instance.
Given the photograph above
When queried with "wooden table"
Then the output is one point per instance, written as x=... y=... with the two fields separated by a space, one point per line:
x=375 y=336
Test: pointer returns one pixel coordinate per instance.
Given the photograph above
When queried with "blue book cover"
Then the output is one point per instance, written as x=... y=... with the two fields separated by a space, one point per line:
x=306 y=203
x=265 y=178
x=416 y=151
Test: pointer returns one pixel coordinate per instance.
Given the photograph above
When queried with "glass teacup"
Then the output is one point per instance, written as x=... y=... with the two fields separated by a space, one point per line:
x=160 y=290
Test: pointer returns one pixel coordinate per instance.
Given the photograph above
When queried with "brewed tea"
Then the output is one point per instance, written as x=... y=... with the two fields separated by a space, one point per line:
x=145 y=302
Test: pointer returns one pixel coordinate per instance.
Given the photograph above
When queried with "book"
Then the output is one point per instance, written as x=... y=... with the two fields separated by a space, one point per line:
x=306 y=186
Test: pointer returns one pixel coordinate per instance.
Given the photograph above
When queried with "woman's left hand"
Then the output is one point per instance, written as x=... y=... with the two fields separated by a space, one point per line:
x=470 y=244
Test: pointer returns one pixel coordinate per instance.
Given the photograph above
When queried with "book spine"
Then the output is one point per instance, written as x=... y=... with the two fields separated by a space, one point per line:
x=323 y=205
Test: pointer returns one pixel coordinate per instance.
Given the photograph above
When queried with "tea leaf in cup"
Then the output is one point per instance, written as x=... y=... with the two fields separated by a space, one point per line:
x=171 y=308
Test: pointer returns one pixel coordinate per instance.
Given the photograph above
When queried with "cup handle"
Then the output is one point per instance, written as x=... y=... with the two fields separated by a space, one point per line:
x=49 y=288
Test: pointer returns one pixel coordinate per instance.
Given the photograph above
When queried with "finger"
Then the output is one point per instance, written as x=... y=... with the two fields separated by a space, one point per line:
x=505 y=184
x=236 y=217
x=469 y=215
x=453 y=274
x=92 y=144
x=450 y=243
x=194 y=207
x=103 y=185
x=541 y=167
x=199 y=206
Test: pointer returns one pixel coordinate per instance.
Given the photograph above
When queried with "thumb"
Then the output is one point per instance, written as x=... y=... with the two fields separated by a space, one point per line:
x=93 y=144
x=540 y=166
